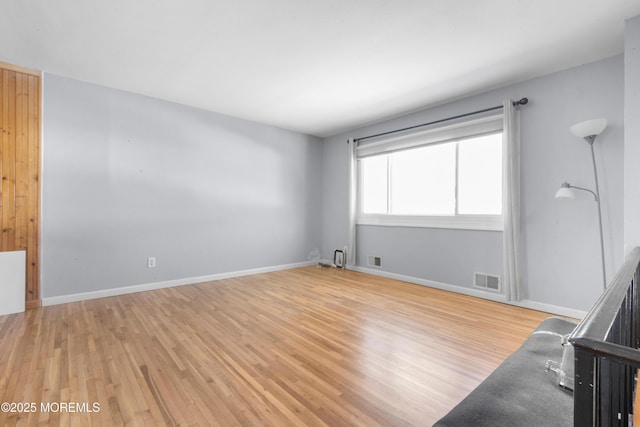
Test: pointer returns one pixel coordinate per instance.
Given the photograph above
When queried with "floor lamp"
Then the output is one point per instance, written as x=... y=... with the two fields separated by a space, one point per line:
x=588 y=130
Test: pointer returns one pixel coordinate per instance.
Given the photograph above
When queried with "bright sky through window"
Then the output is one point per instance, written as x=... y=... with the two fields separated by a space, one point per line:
x=462 y=177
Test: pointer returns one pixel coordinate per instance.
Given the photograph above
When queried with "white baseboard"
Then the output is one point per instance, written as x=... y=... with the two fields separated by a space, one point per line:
x=431 y=283
x=549 y=308
x=533 y=305
x=63 y=299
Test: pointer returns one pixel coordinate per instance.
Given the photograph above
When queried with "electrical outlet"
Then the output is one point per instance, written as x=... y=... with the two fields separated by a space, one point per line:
x=151 y=262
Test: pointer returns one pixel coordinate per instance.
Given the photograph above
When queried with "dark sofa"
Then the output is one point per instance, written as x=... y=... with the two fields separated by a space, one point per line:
x=602 y=366
x=519 y=392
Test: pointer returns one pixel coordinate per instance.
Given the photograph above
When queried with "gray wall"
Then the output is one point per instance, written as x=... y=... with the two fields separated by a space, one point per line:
x=560 y=238
x=632 y=133
x=126 y=177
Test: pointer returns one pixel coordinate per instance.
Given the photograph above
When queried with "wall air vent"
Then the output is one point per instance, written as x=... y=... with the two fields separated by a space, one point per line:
x=374 y=261
x=488 y=282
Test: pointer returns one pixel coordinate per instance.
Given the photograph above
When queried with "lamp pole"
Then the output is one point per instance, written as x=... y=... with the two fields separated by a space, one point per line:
x=589 y=130
x=590 y=139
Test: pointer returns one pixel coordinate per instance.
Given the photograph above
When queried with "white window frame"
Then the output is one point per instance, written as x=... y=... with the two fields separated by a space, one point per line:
x=450 y=133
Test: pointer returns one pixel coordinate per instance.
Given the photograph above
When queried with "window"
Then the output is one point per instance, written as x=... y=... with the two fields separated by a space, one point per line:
x=449 y=178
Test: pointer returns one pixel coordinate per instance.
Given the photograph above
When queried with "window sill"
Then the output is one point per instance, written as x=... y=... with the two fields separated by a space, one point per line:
x=461 y=222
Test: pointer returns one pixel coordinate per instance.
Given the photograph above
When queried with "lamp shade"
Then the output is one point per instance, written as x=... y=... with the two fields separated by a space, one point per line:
x=589 y=128
x=565 y=192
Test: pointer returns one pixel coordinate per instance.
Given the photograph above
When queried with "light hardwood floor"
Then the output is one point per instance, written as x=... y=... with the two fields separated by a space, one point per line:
x=299 y=347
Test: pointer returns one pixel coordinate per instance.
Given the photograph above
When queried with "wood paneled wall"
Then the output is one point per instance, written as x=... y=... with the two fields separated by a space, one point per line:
x=20 y=108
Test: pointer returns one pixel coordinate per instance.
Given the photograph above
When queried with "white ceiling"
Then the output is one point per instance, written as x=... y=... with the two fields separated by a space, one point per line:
x=312 y=66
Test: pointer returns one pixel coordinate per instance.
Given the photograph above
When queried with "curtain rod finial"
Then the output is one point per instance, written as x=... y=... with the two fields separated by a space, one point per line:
x=522 y=101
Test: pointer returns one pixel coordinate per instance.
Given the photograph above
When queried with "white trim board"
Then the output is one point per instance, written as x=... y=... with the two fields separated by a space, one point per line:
x=533 y=305
x=12 y=282
x=63 y=299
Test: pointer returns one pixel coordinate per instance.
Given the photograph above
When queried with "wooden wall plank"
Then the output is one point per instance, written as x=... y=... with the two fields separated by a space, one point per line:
x=3 y=120
x=33 y=243
x=9 y=167
x=20 y=170
x=22 y=152
x=6 y=129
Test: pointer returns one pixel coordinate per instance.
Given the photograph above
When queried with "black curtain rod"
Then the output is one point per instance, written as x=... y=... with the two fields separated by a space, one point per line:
x=522 y=101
